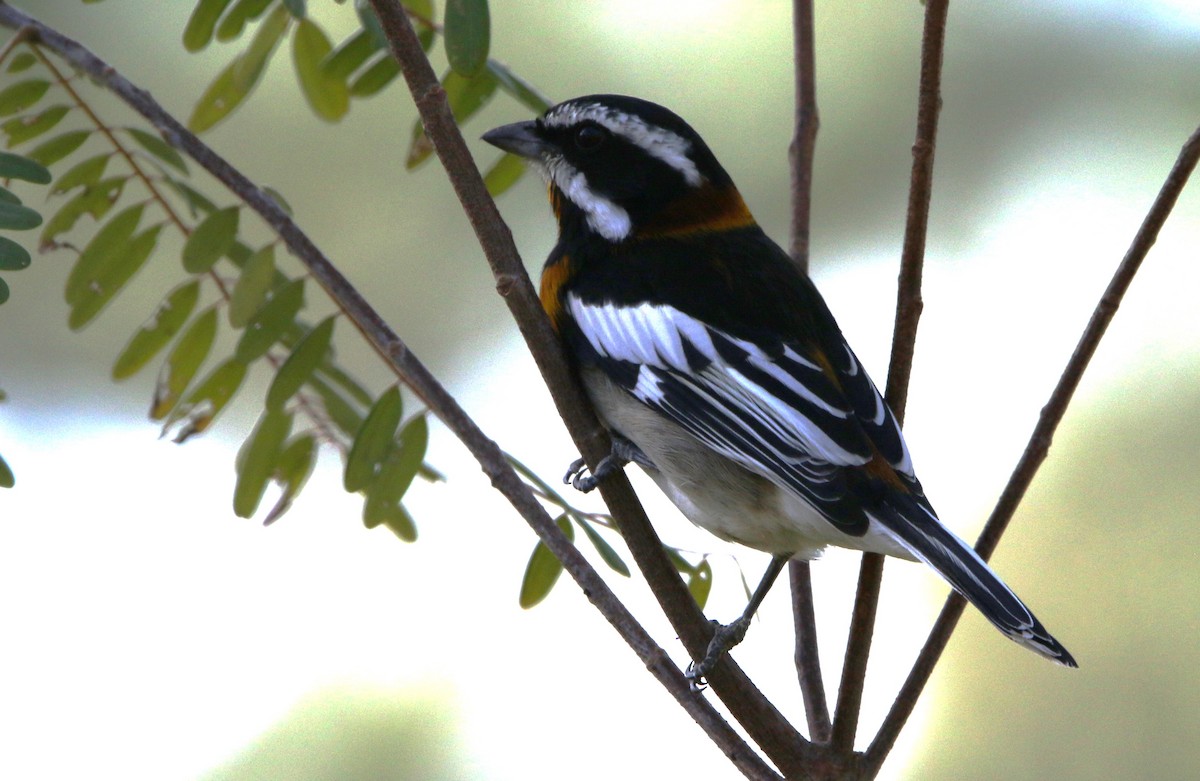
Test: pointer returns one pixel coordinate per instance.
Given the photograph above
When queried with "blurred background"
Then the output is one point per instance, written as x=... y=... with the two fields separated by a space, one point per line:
x=147 y=631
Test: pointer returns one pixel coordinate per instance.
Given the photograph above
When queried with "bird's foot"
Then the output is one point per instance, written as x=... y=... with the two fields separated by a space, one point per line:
x=724 y=638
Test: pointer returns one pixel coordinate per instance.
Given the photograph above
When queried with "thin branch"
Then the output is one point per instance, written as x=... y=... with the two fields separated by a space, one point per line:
x=904 y=338
x=807 y=121
x=408 y=368
x=801 y=152
x=1039 y=442
x=807 y=654
x=765 y=725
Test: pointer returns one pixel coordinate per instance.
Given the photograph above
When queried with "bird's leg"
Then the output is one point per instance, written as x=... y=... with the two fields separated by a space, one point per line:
x=623 y=451
x=727 y=636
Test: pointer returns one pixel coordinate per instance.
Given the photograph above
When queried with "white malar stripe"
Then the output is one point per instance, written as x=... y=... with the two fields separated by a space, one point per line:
x=667 y=146
x=605 y=217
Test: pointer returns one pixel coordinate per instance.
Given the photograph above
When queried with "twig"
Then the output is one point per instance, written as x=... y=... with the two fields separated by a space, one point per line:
x=807 y=654
x=908 y=313
x=408 y=368
x=764 y=723
x=807 y=121
x=1039 y=442
x=800 y=154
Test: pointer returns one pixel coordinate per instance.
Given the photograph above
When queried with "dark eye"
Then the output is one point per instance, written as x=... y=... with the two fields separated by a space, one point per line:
x=589 y=138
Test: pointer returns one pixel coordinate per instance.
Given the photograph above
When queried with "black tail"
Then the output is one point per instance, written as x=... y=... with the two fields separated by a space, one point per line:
x=919 y=530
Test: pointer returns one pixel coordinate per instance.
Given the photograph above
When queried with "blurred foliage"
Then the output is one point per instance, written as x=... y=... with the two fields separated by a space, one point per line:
x=119 y=189
x=346 y=735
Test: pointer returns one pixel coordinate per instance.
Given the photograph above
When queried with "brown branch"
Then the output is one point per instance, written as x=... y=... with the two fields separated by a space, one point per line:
x=807 y=653
x=800 y=154
x=807 y=121
x=1039 y=442
x=765 y=725
x=409 y=369
x=904 y=338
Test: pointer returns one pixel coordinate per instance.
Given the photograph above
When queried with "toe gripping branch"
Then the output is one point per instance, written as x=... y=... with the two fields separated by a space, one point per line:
x=623 y=452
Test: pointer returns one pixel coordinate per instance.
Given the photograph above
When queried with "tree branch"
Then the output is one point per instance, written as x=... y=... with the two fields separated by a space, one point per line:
x=800 y=154
x=1039 y=442
x=908 y=313
x=410 y=370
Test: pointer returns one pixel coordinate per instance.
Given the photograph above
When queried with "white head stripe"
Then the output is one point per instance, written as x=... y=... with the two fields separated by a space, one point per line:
x=606 y=218
x=659 y=142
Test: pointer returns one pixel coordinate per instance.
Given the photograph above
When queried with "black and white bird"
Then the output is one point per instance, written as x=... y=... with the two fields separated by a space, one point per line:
x=716 y=365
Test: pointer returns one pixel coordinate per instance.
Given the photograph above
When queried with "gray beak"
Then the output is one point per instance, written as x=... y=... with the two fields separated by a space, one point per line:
x=520 y=138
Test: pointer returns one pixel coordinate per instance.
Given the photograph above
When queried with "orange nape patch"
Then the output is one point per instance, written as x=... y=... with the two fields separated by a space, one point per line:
x=708 y=209
x=554 y=276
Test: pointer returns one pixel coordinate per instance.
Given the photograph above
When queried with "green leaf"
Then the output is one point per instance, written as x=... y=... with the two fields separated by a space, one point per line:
x=340 y=378
x=466 y=27
x=50 y=152
x=82 y=174
x=111 y=279
x=30 y=126
x=13 y=166
x=376 y=77
x=203 y=404
x=343 y=414
x=22 y=62
x=199 y=30
x=325 y=94
x=301 y=364
x=373 y=440
x=543 y=569
x=400 y=523
x=252 y=286
x=292 y=470
x=104 y=245
x=396 y=474
x=269 y=323
x=8 y=196
x=235 y=82
x=699 y=583
x=183 y=362
x=7 y=479
x=197 y=202
x=243 y=11
x=13 y=257
x=606 y=551
x=465 y=96
x=154 y=334
x=211 y=239
x=95 y=200
x=295 y=7
x=18 y=218
x=4 y=291
x=349 y=55
x=257 y=460
x=22 y=95
x=503 y=174
x=522 y=90
x=156 y=146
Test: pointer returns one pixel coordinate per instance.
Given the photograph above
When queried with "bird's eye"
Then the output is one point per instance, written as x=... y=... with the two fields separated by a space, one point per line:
x=589 y=138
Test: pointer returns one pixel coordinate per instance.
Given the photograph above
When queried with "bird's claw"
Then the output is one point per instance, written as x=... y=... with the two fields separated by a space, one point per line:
x=725 y=637
x=578 y=478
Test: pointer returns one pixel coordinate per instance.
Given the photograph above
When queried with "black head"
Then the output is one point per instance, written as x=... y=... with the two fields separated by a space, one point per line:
x=622 y=163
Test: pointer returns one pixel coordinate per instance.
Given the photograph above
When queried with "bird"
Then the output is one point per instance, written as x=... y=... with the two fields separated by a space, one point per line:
x=716 y=366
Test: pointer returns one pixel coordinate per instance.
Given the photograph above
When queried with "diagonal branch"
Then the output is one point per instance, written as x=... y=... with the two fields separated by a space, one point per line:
x=1039 y=442
x=908 y=313
x=409 y=369
x=766 y=726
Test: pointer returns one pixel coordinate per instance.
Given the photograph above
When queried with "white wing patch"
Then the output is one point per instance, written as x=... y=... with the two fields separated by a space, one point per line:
x=741 y=418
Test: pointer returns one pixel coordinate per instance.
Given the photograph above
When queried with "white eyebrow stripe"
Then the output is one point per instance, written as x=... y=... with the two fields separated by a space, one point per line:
x=664 y=144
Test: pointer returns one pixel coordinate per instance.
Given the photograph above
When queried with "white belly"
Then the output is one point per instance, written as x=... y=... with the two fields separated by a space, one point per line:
x=720 y=495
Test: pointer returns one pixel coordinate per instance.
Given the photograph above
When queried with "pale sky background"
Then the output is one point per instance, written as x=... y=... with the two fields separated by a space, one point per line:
x=149 y=633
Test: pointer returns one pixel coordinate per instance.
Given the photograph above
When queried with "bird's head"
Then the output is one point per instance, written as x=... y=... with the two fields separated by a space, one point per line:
x=620 y=167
